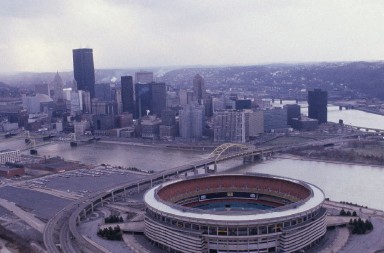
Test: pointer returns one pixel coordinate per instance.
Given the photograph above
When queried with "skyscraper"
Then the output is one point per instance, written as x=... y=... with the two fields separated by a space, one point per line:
x=256 y=123
x=191 y=121
x=159 y=98
x=168 y=117
x=83 y=70
x=103 y=91
x=86 y=101
x=150 y=98
x=76 y=103
x=185 y=97
x=275 y=119
x=143 y=99
x=127 y=95
x=199 y=89
x=293 y=111
x=57 y=87
x=167 y=129
x=116 y=96
x=104 y=107
x=317 y=105
x=229 y=126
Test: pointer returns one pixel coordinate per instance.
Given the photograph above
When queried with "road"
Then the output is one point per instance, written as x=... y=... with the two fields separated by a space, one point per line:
x=50 y=232
x=65 y=236
x=53 y=192
x=367 y=243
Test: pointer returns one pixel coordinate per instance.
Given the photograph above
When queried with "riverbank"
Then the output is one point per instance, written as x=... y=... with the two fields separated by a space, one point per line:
x=130 y=143
x=369 y=110
x=295 y=157
x=168 y=145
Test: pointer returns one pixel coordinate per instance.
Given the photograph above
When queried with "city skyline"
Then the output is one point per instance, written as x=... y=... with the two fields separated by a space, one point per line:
x=178 y=33
x=230 y=159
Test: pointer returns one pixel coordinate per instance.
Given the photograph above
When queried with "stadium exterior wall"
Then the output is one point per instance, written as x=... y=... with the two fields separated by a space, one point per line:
x=291 y=228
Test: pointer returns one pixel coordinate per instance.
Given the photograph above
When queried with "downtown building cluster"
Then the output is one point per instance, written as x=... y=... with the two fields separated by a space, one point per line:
x=136 y=106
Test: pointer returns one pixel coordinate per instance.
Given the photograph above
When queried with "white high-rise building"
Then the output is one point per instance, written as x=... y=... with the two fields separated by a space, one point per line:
x=118 y=99
x=229 y=126
x=256 y=122
x=67 y=93
x=85 y=101
x=185 y=97
x=76 y=103
x=191 y=121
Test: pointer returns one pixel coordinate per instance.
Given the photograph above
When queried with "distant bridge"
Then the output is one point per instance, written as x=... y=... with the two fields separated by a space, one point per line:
x=367 y=129
x=345 y=105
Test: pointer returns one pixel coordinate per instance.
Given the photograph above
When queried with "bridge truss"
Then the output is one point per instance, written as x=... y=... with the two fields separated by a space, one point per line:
x=226 y=147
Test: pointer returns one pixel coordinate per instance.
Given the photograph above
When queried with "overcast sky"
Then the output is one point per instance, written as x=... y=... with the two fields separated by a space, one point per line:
x=39 y=35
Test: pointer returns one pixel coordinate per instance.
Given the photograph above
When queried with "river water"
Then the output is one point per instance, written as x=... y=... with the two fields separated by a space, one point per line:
x=341 y=182
x=359 y=184
x=353 y=183
x=355 y=118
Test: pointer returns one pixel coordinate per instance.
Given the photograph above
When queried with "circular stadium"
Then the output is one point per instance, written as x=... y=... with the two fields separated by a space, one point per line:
x=235 y=213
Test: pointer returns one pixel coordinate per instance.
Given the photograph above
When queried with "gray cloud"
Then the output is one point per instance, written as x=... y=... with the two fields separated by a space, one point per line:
x=38 y=35
x=30 y=8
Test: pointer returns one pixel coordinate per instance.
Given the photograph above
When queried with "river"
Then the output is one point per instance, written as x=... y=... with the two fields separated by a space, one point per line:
x=353 y=183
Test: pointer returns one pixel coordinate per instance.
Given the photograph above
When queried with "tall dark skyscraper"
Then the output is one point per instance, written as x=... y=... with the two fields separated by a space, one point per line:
x=103 y=91
x=293 y=111
x=149 y=96
x=168 y=117
x=83 y=70
x=159 y=97
x=317 y=105
x=127 y=94
x=199 y=89
x=143 y=99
